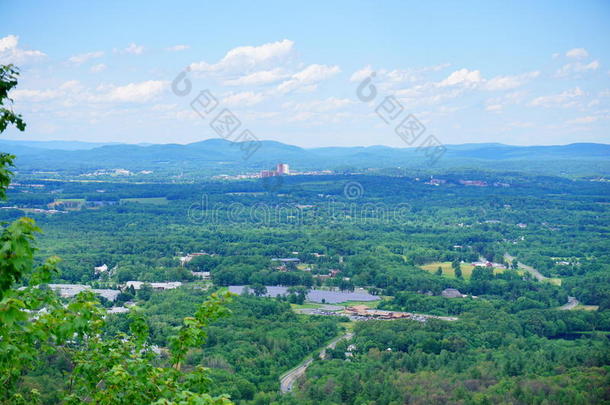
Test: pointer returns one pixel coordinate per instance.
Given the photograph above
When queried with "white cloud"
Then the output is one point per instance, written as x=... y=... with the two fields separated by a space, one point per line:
x=577 y=67
x=521 y=124
x=398 y=76
x=431 y=93
x=132 y=49
x=66 y=89
x=244 y=58
x=71 y=85
x=98 y=68
x=258 y=78
x=164 y=107
x=361 y=74
x=243 y=99
x=73 y=92
x=35 y=95
x=461 y=81
x=583 y=120
x=474 y=79
x=497 y=104
x=387 y=79
x=308 y=77
x=136 y=92
x=11 y=53
x=329 y=104
x=315 y=73
x=510 y=82
x=84 y=57
x=177 y=48
x=565 y=99
x=463 y=77
x=577 y=53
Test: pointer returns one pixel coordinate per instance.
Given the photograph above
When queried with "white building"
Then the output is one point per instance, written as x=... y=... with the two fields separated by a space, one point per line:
x=282 y=168
x=101 y=269
x=156 y=286
x=71 y=290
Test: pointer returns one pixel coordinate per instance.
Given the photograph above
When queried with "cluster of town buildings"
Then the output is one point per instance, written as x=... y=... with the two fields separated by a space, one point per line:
x=281 y=169
x=472 y=183
x=362 y=312
x=488 y=264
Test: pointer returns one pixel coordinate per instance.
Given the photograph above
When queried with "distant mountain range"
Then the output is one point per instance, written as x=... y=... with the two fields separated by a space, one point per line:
x=221 y=155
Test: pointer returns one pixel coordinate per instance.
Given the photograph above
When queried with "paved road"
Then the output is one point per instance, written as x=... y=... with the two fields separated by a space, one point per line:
x=288 y=380
x=571 y=304
x=572 y=301
x=537 y=275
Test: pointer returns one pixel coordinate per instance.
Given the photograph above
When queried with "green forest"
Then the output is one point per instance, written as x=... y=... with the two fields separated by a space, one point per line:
x=493 y=293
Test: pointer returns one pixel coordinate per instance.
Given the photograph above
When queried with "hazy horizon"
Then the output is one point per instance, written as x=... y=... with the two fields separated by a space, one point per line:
x=468 y=74
x=15 y=139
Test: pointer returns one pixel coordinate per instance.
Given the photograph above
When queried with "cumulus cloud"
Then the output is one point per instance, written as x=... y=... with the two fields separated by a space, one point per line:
x=577 y=67
x=497 y=104
x=177 y=48
x=510 y=82
x=132 y=49
x=35 y=95
x=577 y=53
x=308 y=77
x=463 y=77
x=74 y=92
x=460 y=82
x=136 y=92
x=583 y=120
x=387 y=78
x=84 y=57
x=243 y=99
x=329 y=104
x=474 y=79
x=567 y=98
x=245 y=58
x=11 y=53
x=360 y=75
x=258 y=78
x=66 y=89
x=98 y=68
x=494 y=107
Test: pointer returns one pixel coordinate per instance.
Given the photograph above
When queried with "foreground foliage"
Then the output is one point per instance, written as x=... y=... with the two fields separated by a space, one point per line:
x=35 y=325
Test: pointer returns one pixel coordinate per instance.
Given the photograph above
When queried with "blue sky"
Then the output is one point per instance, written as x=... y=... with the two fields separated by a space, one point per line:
x=512 y=72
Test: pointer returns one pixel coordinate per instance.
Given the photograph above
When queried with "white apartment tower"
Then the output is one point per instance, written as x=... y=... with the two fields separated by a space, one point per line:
x=282 y=168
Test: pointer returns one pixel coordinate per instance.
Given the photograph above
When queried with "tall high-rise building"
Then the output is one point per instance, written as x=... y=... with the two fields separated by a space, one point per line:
x=282 y=168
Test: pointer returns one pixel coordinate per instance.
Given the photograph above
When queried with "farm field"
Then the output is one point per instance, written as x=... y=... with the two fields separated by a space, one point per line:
x=448 y=270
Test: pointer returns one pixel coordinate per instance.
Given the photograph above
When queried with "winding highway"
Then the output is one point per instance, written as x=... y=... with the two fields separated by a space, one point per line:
x=537 y=275
x=287 y=381
x=571 y=304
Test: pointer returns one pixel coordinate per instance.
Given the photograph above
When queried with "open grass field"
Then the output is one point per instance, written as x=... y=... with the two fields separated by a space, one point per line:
x=68 y=203
x=586 y=307
x=448 y=270
x=308 y=305
x=554 y=281
x=370 y=304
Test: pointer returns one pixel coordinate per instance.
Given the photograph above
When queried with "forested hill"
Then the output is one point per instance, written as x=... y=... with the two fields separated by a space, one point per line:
x=218 y=154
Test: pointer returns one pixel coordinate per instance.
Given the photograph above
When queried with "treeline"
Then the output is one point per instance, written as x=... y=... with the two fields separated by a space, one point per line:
x=247 y=351
x=491 y=359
